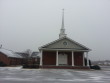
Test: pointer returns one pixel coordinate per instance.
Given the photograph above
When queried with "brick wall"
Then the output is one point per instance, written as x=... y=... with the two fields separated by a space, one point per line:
x=78 y=57
x=9 y=60
x=4 y=59
x=49 y=58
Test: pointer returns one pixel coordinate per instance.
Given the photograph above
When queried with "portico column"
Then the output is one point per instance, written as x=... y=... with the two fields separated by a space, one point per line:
x=83 y=59
x=87 y=58
x=72 y=58
x=41 y=58
x=56 y=58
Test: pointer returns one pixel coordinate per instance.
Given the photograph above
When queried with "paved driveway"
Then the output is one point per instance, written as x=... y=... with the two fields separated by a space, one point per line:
x=17 y=75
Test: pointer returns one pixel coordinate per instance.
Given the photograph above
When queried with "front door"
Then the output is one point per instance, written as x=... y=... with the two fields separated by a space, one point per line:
x=62 y=59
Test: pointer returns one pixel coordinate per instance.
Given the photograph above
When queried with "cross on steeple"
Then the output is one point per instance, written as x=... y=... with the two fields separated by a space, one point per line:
x=62 y=30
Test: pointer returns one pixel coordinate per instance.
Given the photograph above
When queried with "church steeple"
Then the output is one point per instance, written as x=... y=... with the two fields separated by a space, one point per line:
x=62 y=30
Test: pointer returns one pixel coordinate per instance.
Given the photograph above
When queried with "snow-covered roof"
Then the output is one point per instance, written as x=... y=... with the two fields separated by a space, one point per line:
x=39 y=54
x=34 y=54
x=10 y=53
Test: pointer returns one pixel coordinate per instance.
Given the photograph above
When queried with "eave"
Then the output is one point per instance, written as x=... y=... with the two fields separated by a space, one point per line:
x=61 y=49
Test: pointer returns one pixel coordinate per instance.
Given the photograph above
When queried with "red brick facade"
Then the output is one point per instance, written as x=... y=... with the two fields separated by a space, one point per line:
x=4 y=59
x=78 y=58
x=9 y=60
x=49 y=58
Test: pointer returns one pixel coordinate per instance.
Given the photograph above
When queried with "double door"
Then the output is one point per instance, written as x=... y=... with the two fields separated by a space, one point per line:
x=62 y=59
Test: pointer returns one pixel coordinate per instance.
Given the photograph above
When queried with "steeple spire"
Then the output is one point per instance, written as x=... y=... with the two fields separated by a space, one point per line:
x=62 y=19
x=62 y=30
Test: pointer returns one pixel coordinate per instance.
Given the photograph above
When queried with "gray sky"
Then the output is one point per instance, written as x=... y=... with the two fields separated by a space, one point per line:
x=29 y=24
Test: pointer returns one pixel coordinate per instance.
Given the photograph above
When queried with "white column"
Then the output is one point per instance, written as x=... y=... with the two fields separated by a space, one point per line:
x=87 y=58
x=83 y=59
x=41 y=58
x=56 y=58
x=72 y=58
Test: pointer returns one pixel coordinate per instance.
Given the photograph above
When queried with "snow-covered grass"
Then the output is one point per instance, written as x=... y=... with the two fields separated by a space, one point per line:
x=19 y=75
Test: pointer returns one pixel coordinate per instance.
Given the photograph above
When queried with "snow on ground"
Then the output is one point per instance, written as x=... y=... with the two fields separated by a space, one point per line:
x=19 y=75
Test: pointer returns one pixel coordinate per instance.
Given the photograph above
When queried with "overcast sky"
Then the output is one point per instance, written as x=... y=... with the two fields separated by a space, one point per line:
x=29 y=24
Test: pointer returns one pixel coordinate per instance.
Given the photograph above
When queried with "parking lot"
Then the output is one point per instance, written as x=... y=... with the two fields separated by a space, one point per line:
x=18 y=75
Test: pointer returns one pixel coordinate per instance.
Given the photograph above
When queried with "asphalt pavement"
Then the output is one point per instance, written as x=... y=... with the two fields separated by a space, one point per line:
x=18 y=75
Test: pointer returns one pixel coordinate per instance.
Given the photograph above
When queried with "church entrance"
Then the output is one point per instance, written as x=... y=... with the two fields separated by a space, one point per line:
x=62 y=59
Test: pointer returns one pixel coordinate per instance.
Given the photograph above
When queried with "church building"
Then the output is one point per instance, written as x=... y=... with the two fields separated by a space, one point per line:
x=64 y=53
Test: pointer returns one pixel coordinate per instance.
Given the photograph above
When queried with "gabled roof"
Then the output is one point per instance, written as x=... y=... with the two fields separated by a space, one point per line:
x=10 y=53
x=34 y=54
x=65 y=43
x=26 y=55
x=22 y=54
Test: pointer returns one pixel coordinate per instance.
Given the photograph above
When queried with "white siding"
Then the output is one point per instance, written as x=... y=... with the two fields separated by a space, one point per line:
x=60 y=44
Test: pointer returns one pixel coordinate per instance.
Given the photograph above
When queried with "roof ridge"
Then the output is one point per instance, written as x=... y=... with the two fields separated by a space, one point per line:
x=7 y=49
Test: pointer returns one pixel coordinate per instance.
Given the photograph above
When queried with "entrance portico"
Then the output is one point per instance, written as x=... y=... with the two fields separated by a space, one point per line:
x=62 y=58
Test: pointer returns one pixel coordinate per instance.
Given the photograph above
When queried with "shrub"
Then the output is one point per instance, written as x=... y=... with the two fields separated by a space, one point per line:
x=86 y=62
x=96 y=67
x=2 y=64
x=25 y=66
x=30 y=66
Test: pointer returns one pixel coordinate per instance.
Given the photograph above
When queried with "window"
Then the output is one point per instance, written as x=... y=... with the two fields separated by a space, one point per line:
x=65 y=43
